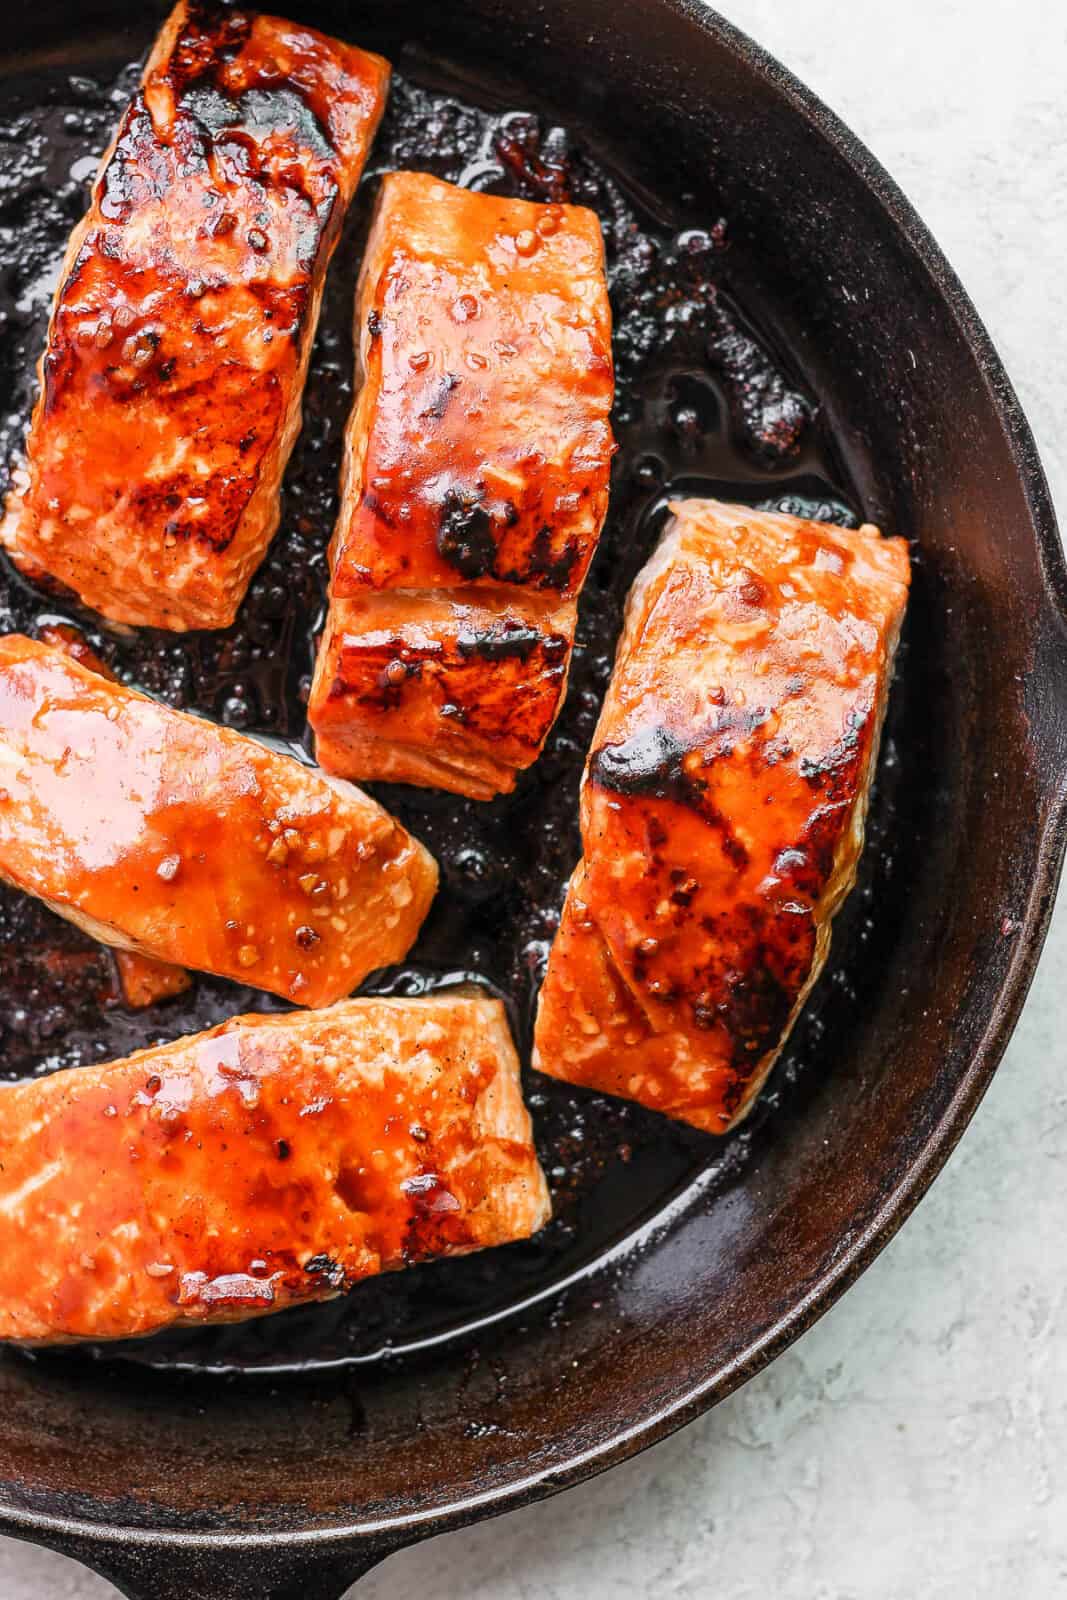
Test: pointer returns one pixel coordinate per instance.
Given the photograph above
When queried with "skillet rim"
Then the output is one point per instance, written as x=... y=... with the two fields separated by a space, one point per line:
x=96 y=1541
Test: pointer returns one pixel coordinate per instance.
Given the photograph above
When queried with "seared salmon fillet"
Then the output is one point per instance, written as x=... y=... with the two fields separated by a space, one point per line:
x=270 y=1161
x=723 y=807
x=166 y=835
x=184 y=318
x=474 y=487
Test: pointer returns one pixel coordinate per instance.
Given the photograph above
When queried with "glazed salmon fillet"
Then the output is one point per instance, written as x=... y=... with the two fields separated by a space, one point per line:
x=474 y=487
x=271 y=1161
x=182 y=327
x=165 y=835
x=723 y=807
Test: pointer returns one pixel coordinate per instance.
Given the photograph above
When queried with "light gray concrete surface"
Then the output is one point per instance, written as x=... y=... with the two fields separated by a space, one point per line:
x=914 y=1445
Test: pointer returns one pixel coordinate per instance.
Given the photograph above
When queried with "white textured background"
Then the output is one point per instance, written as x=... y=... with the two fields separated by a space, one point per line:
x=914 y=1445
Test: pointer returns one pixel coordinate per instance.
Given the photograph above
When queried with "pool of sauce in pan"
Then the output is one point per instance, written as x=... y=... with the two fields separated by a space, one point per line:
x=705 y=404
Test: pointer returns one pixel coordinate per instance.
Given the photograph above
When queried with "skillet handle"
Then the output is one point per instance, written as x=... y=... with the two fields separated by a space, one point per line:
x=264 y=1571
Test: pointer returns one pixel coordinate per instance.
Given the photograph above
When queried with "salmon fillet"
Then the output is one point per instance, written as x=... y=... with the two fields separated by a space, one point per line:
x=184 y=318
x=270 y=1161
x=723 y=807
x=474 y=487
x=168 y=836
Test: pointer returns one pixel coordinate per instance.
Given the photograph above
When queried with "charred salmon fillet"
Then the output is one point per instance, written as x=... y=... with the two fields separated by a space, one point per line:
x=184 y=318
x=166 y=835
x=271 y=1161
x=723 y=807
x=474 y=487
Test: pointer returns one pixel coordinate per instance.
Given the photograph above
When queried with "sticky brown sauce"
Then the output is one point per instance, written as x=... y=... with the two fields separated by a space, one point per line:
x=705 y=405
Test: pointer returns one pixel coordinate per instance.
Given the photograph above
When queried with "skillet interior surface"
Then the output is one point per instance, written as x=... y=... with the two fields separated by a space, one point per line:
x=778 y=341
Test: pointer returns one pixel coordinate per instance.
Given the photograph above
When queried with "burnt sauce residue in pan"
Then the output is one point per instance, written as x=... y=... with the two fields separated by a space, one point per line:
x=705 y=405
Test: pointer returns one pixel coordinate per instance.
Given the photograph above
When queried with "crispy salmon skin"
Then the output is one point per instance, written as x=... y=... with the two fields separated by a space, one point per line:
x=271 y=1161
x=184 y=318
x=163 y=834
x=723 y=806
x=474 y=487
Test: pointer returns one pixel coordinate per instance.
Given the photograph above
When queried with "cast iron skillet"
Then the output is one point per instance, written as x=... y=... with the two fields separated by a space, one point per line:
x=210 y=1487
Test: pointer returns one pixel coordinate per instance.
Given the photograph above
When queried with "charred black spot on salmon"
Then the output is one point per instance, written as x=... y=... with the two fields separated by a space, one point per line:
x=822 y=836
x=283 y=1149
x=324 y=1266
x=138 y=172
x=731 y=844
x=552 y=568
x=754 y=1007
x=465 y=535
x=226 y=495
x=654 y=764
x=543 y=567
x=508 y=640
x=210 y=35
x=649 y=763
x=374 y=325
x=257 y=113
x=729 y=726
x=832 y=771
